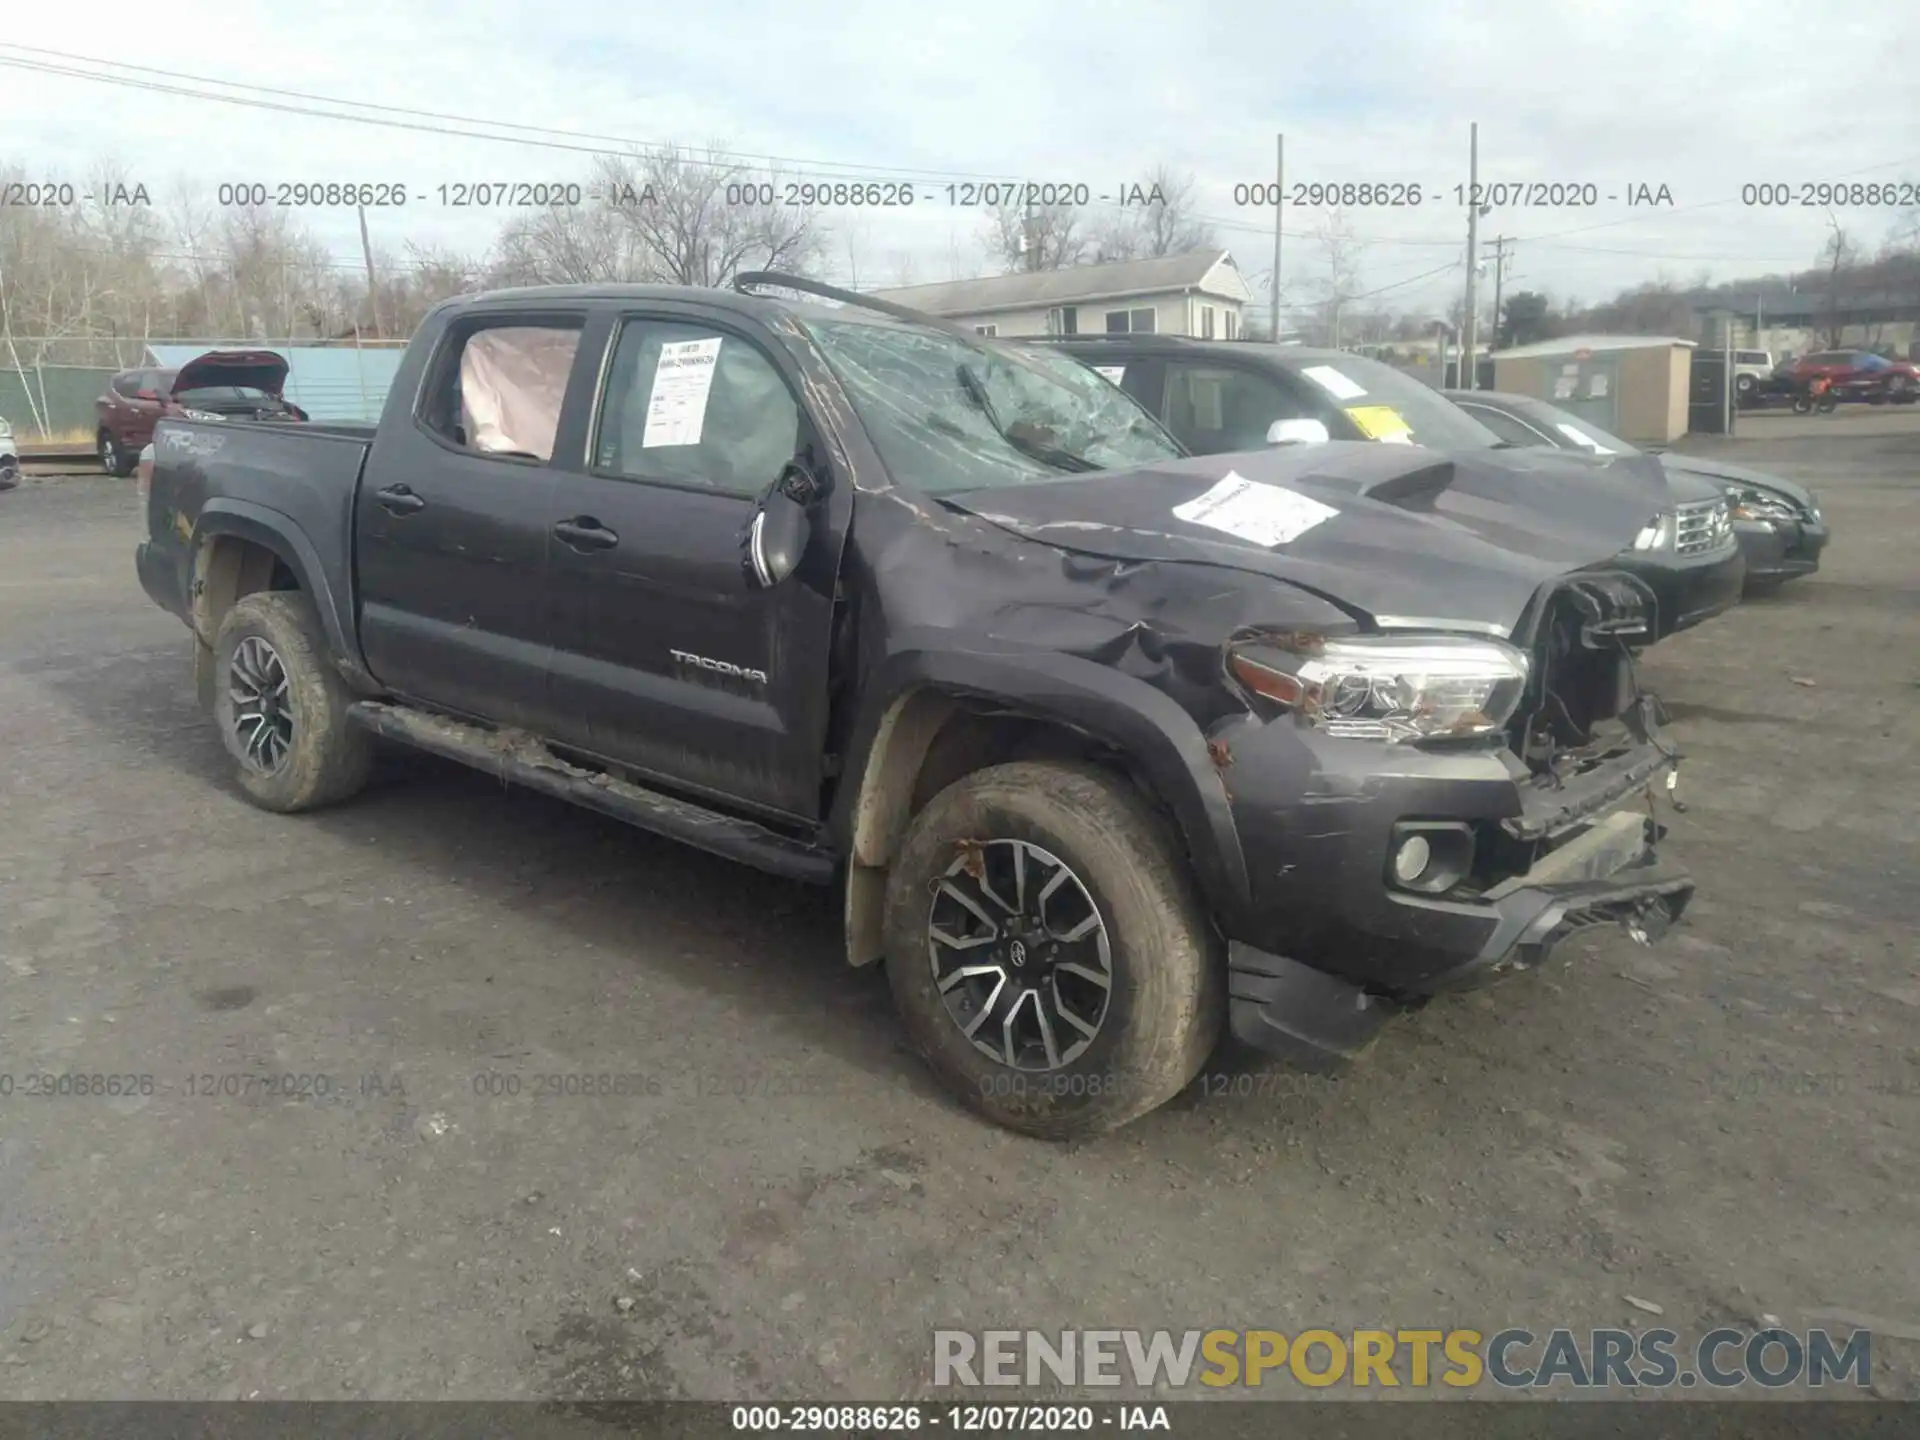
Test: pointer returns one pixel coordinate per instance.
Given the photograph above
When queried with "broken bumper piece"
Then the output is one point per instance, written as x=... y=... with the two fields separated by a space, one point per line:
x=1605 y=876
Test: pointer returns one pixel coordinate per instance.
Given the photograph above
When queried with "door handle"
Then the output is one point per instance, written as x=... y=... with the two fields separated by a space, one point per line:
x=399 y=500
x=583 y=532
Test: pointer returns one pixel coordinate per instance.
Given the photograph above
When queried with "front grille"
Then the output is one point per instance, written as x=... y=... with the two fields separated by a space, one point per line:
x=1702 y=526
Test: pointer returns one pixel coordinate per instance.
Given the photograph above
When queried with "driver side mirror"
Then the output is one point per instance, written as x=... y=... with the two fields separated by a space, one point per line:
x=1297 y=432
x=777 y=535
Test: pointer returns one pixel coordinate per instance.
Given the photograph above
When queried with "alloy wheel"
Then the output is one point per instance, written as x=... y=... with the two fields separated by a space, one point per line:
x=1020 y=954
x=109 y=455
x=262 y=705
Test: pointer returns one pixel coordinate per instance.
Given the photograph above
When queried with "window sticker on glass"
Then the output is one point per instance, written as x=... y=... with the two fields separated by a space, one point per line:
x=1265 y=514
x=1580 y=437
x=1563 y=387
x=1381 y=422
x=1596 y=386
x=1115 y=373
x=677 y=409
x=1333 y=382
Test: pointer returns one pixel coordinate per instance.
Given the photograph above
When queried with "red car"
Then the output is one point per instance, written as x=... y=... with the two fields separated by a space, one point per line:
x=222 y=384
x=1859 y=375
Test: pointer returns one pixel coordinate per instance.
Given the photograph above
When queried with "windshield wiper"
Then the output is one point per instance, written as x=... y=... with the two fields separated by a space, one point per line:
x=1054 y=455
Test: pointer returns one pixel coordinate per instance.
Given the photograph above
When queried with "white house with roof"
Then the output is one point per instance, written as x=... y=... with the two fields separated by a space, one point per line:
x=1199 y=293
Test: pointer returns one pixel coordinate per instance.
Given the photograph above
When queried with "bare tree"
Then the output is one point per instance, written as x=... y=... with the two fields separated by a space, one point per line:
x=904 y=270
x=1156 y=219
x=569 y=245
x=1039 y=237
x=1838 y=257
x=699 y=220
x=1342 y=250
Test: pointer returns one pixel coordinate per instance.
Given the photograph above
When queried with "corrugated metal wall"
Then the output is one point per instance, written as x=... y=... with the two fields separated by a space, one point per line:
x=336 y=383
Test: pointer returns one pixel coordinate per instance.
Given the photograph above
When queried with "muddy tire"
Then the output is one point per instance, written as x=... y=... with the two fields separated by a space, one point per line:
x=282 y=710
x=1036 y=848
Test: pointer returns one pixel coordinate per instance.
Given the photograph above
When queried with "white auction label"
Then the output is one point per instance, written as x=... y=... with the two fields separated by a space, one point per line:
x=677 y=409
x=1264 y=514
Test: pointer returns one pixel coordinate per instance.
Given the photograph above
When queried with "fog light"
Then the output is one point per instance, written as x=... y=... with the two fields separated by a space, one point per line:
x=1429 y=857
x=1410 y=860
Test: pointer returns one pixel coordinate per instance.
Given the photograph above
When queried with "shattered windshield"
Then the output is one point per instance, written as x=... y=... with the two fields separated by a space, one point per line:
x=949 y=415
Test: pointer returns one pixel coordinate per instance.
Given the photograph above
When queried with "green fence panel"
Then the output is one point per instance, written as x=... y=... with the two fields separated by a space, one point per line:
x=63 y=396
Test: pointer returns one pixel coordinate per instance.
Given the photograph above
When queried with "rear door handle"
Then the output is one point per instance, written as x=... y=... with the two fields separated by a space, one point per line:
x=583 y=532
x=399 y=500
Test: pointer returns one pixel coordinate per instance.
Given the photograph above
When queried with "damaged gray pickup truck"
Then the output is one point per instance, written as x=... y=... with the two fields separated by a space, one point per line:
x=1112 y=750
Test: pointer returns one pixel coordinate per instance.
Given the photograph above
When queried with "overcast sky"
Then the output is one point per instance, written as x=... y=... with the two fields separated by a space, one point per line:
x=1698 y=97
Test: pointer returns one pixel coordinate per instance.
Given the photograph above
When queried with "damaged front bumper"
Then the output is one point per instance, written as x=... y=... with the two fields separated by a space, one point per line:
x=1776 y=550
x=1331 y=948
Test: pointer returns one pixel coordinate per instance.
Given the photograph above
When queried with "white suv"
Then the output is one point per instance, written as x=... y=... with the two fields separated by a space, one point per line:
x=9 y=457
x=1750 y=367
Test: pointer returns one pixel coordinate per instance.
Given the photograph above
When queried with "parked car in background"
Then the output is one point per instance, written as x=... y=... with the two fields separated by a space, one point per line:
x=1750 y=371
x=1858 y=375
x=222 y=384
x=1111 y=749
x=1227 y=396
x=9 y=457
x=1778 y=522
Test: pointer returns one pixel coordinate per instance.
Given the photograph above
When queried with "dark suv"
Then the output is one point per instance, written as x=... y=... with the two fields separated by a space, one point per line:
x=1222 y=397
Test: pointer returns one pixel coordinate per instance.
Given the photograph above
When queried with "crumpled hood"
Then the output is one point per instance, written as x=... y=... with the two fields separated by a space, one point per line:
x=1726 y=474
x=1413 y=534
x=261 y=369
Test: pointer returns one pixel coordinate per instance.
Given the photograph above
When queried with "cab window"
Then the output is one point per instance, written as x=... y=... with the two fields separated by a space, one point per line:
x=689 y=404
x=498 y=386
x=1220 y=409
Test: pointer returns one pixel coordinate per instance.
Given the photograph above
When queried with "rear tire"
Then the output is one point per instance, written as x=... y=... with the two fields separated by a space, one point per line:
x=113 y=456
x=1163 y=1007
x=282 y=709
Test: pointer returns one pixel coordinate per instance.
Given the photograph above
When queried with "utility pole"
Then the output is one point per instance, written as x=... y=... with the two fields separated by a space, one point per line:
x=373 y=293
x=1279 y=193
x=1499 y=269
x=1470 y=331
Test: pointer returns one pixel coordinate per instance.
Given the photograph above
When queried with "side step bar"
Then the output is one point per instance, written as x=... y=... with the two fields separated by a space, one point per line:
x=521 y=759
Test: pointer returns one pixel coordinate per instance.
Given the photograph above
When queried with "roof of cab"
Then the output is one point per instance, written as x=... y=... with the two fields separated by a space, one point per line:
x=762 y=307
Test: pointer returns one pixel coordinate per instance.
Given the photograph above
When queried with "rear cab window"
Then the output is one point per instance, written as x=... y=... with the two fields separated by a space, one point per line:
x=499 y=383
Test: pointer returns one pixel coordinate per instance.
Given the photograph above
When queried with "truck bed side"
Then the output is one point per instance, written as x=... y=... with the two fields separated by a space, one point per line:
x=286 y=489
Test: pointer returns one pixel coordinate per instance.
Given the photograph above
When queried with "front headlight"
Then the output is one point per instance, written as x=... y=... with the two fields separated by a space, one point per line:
x=201 y=415
x=1759 y=505
x=1386 y=687
x=1657 y=534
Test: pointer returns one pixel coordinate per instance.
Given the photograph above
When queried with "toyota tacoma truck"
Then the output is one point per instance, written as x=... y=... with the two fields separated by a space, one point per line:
x=1112 y=750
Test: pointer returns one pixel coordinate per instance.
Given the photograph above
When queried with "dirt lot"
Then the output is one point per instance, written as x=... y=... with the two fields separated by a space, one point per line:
x=1725 y=1126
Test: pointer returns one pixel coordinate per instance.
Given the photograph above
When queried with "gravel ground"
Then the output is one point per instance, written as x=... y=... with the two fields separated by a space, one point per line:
x=786 y=1207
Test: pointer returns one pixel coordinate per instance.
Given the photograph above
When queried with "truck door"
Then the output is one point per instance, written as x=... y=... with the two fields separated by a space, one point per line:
x=667 y=660
x=451 y=523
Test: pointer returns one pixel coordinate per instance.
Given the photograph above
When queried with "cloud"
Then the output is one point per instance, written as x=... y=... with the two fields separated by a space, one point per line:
x=1700 y=98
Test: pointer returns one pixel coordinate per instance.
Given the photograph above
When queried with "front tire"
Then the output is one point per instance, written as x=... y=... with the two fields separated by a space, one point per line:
x=282 y=709
x=1058 y=886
